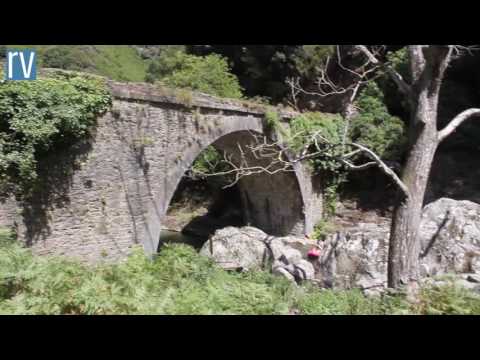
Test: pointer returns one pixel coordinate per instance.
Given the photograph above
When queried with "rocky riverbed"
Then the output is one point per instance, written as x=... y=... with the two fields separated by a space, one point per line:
x=355 y=256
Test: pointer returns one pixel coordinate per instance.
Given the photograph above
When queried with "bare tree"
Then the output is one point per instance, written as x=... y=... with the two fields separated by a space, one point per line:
x=428 y=64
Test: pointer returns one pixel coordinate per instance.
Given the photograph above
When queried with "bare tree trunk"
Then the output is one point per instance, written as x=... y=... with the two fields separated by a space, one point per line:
x=404 y=245
x=428 y=67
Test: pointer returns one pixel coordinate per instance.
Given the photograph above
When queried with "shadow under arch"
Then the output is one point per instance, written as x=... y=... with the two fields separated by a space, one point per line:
x=273 y=203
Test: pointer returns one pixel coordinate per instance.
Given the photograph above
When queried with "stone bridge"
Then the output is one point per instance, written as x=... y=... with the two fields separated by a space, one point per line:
x=112 y=192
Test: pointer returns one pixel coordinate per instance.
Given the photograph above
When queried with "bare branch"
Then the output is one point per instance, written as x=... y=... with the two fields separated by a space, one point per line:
x=274 y=157
x=456 y=122
x=460 y=50
x=353 y=167
x=394 y=75
x=327 y=87
x=387 y=170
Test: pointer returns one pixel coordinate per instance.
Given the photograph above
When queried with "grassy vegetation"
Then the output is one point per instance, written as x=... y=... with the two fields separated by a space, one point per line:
x=120 y=62
x=179 y=281
x=117 y=62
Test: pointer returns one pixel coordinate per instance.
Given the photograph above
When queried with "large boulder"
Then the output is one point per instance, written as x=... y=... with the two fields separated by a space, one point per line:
x=450 y=236
x=237 y=248
x=356 y=258
x=249 y=248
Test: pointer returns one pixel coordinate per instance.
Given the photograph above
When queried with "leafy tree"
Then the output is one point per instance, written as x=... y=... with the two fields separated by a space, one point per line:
x=375 y=128
x=209 y=74
x=65 y=57
x=262 y=69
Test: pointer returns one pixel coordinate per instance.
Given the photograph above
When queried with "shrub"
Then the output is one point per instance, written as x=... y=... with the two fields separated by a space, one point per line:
x=209 y=74
x=322 y=229
x=65 y=57
x=375 y=128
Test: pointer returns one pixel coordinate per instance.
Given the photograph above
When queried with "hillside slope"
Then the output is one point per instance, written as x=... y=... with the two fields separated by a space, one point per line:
x=118 y=62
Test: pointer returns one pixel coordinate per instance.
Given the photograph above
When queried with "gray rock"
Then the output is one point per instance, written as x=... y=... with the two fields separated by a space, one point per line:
x=304 y=270
x=450 y=236
x=353 y=259
x=250 y=248
x=283 y=272
x=357 y=257
x=474 y=278
x=234 y=248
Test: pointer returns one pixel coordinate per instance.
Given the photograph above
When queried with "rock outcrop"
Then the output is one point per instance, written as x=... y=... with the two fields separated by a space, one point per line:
x=450 y=235
x=248 y=248
x=355 y=258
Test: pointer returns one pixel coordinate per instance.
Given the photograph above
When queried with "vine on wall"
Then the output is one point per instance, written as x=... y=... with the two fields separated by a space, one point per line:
x=40 y=117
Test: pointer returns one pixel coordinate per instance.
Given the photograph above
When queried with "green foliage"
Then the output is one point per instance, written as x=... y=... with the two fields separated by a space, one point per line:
x=272 y=119
x=332 y=128
x=375 y=128
x=262 y=69
x=39 y=117
x=393 y=98
x=180 y=281
x=351 y=302
x=322 y=229
x=447 y=300
x=117 y=62
x=399 y=61
x=65 y=57
x=208 y=161
x=7 y=236
x=209 y=74
x=329 y=126
x=310 y=57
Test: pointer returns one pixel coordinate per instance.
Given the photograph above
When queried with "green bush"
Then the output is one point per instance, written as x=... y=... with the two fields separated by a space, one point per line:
x=39 y=117
x=309 y=57
x=375 y=128
x=66 y=57
x=209 y=74
x=329 y=126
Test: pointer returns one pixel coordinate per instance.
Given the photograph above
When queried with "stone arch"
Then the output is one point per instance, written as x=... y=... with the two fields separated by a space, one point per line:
x=273 y=203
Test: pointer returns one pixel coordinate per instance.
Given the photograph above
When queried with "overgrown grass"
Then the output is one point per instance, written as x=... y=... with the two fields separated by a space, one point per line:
x=117 y=62
x=179 y=281
x=120 y=62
